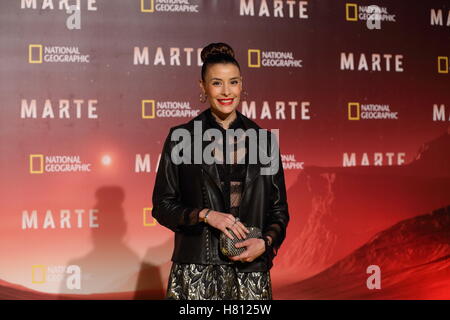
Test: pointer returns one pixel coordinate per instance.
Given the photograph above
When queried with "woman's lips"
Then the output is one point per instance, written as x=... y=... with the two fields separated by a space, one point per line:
x=225 y=102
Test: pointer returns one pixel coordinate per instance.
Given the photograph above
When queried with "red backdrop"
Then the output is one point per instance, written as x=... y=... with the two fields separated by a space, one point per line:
x=88 y=97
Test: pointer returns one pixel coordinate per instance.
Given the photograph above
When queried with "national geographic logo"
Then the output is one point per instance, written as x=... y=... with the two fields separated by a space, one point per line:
x=279 y=110
x=73 y=8
x=151 y=109
x=38 y=53
x=365 y=159
x=355 y=12
x=290 y=163
x=40 y=164
x=183 y=6
x=277 y=9
x=148 y=219
x=42 y=274
x=442 y=64
x=173 y=56
x=368 y=111
x=258 y=58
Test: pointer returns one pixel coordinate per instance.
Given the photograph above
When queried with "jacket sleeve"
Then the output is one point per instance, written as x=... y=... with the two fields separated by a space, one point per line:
x=167 y=207
x=278 y=217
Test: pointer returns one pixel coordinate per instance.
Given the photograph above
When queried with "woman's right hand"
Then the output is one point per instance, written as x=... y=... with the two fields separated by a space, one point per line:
x=225 y=221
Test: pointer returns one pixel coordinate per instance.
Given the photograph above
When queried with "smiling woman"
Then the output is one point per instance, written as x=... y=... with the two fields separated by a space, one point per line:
x=221 y=81
x=202 y=201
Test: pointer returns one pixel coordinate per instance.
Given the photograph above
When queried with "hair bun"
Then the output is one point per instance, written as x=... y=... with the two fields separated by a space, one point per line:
x=216 y=49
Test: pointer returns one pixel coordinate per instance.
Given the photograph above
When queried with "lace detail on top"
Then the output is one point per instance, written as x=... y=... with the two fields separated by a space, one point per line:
x=232 y=174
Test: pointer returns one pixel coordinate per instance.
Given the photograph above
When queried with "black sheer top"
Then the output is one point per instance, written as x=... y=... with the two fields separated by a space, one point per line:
x=232 y=175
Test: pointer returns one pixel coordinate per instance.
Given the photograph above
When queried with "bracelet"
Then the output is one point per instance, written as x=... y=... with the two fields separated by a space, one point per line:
x=206 y=215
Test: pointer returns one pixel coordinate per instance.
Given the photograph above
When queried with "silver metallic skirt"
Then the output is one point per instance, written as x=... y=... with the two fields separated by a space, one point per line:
x=217 y=282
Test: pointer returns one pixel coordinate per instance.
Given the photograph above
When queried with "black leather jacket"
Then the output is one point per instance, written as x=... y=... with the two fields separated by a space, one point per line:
x=181 y=191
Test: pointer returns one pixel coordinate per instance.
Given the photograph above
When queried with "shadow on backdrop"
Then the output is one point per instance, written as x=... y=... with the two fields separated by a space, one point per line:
x=110 y=269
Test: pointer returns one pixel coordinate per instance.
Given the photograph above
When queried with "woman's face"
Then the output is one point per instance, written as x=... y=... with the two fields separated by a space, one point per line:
x=222 y=86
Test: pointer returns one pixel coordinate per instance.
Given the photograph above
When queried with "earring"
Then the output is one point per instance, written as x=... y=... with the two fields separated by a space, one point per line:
x=202 y=97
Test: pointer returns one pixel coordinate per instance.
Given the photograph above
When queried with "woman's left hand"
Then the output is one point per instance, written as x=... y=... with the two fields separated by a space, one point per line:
x=254 y=248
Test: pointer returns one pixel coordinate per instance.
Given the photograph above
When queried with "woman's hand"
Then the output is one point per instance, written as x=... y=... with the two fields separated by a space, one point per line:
x=225 y=221
x=254 y=248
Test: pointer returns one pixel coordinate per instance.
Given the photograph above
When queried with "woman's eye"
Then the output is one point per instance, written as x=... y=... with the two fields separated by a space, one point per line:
x=216 y=83
x=234 y=82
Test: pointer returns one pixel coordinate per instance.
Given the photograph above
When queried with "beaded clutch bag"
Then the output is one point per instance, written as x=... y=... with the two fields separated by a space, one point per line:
x=227 y=245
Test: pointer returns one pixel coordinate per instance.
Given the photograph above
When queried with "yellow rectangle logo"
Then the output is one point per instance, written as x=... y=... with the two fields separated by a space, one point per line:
x=148 y=216
x=37 y=276
x=152 y=6
x=258 y=58
x=442 y=64
x=348 y=8
x=31 y=49
x=40 y=168
x=144 y=114
x=353 y=105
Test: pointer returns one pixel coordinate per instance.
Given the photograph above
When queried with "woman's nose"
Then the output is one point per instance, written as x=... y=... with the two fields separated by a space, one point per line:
x=226 y=90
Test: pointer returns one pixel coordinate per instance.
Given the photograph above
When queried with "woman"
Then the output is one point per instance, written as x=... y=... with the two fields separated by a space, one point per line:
x=200 y=201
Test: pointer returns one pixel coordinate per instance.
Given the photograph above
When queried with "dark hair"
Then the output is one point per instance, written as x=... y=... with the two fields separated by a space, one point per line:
x=217 y=53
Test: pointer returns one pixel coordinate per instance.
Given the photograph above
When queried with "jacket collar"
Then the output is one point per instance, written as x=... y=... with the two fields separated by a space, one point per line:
x=253 y=169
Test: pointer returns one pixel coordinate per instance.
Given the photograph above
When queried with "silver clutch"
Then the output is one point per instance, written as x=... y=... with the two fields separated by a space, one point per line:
x=227 y=245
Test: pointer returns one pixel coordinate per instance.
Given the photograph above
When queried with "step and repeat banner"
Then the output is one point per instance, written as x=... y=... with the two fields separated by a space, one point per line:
x=360 y=93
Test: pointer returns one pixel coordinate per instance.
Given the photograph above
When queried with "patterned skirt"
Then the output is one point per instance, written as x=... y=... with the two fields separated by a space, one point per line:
x=217 y=282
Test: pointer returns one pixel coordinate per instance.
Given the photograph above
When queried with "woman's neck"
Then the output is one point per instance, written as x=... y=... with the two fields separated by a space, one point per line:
x=224 y=123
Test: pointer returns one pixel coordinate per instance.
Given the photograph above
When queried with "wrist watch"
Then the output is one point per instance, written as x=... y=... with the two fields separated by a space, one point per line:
x=206 y=215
